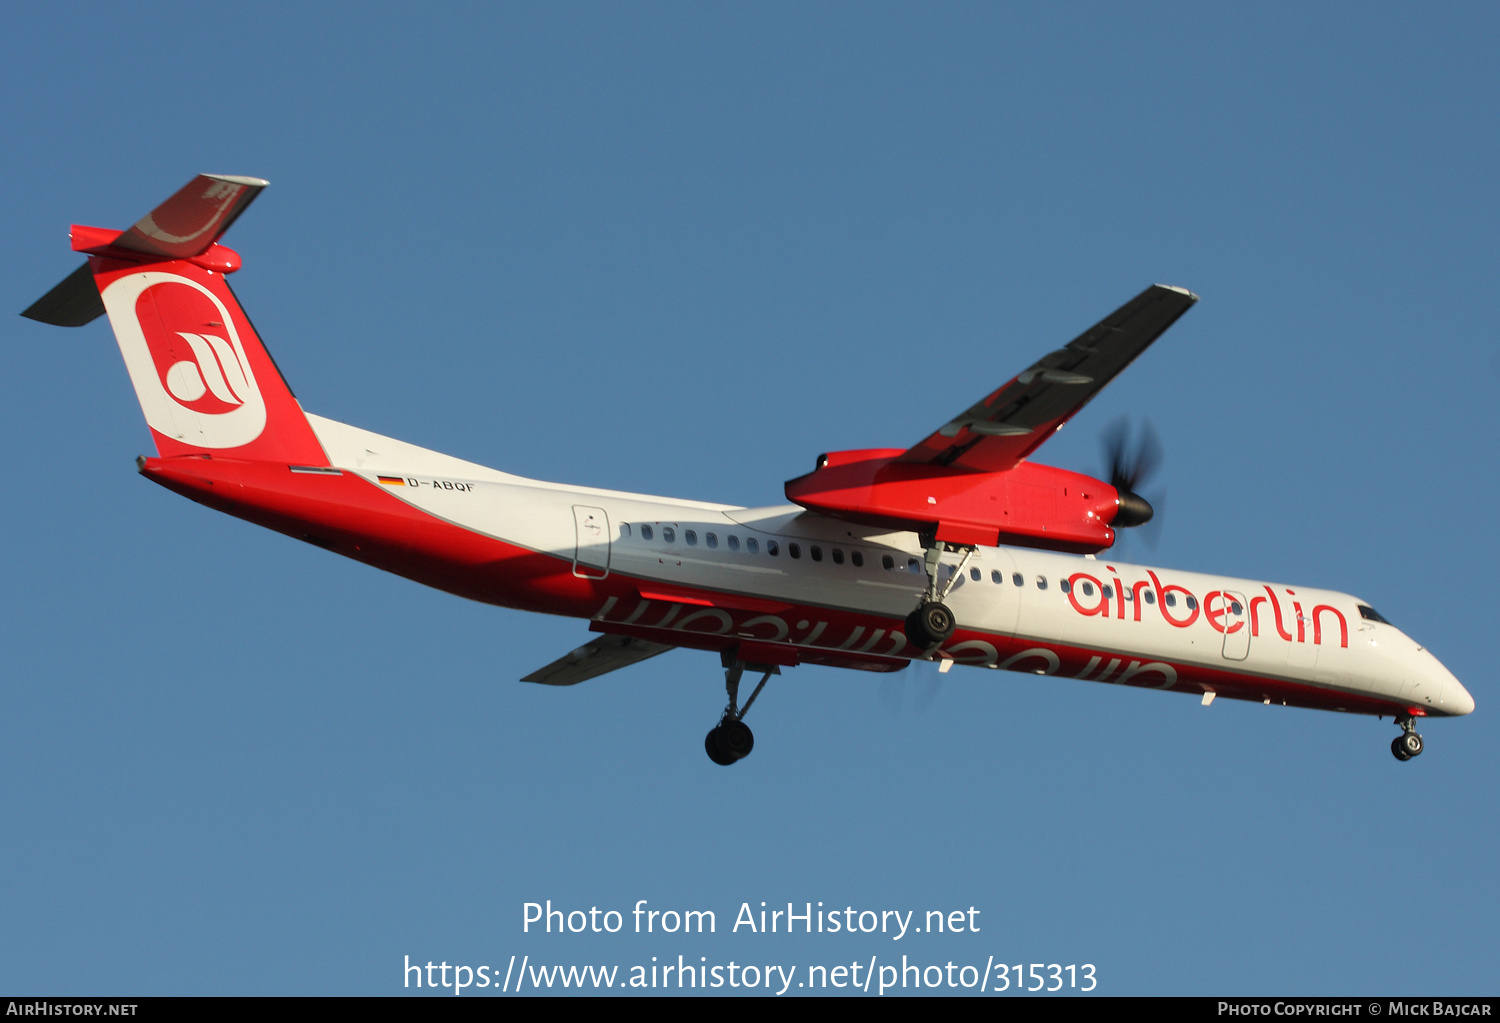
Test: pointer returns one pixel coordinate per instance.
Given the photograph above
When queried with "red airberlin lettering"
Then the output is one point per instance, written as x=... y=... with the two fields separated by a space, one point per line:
x=1213 y=616
x=1161 y=601
x=1318 y=625
x=1103 y=606
x=1275 y=606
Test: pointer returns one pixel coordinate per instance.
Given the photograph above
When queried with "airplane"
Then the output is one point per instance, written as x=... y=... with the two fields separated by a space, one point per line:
x=956 y=550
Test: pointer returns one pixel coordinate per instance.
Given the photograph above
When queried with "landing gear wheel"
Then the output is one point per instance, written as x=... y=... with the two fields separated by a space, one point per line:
x=713 y=745
x=731 y=739
x=1411 y=743
x=736 y=739
x=1396 y=748
x=930 y=624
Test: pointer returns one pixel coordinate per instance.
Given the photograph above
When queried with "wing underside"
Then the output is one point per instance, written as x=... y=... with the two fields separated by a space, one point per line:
x=605 y=654
x=1009 y=424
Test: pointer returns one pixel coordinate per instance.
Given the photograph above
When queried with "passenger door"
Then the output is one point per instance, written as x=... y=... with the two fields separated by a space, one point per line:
x=591 y=556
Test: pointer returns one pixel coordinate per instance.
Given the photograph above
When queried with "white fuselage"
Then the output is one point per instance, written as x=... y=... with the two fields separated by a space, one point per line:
x=1019 y=609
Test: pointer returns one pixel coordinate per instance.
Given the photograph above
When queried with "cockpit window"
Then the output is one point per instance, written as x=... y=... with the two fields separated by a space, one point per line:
x=1369 y=614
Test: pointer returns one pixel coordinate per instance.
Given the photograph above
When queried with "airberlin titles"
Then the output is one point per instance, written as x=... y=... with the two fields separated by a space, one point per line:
x=1217 y=608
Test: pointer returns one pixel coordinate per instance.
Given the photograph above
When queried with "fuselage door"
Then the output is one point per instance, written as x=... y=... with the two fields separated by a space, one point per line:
x=591 y=557
x=1236 y=626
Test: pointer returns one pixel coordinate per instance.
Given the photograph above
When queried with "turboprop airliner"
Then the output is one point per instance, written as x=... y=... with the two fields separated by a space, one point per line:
x=956 y=550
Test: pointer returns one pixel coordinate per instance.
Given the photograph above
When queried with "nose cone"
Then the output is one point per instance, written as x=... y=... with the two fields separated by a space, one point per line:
x=1456 y=699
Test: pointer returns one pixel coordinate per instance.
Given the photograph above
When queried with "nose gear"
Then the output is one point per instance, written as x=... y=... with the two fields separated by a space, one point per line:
x=1408 y=744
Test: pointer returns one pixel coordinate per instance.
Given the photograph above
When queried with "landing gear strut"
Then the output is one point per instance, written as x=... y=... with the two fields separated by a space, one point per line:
x=932 y=622
x=1408 y=744
x=731 y=740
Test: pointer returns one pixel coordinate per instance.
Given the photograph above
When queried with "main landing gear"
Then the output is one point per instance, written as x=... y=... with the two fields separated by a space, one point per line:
x=1408 y=744
x=932 y=622
x=731 y=739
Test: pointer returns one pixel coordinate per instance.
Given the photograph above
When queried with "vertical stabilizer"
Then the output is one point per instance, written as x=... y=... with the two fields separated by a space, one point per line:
x=205 y=381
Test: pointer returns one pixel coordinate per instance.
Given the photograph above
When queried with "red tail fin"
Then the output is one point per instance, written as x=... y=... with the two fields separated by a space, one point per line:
x=204 y=380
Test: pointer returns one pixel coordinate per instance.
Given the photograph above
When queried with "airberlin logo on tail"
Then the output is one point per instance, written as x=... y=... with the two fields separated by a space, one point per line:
x=214 y=368
x=186 y=360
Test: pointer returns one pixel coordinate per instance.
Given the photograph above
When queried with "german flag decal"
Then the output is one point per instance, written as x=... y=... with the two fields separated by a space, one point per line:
x=392 y=481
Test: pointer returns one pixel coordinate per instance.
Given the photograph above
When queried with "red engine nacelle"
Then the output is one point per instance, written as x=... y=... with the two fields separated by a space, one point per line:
x=1028 y=505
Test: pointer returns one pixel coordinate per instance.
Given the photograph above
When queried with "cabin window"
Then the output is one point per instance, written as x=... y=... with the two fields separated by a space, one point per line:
x=691 y=536
x=668 y=534
x=975 y=574
x=1369 y=614
x=1171 y=599
x=1041 y=582
x=1017 y=580
x=857 y=558
x=887 y=562
x=1129 y=595
x=794 y=550
x=711 y=539
x=1234 y=605
x=773 y=548
x=1192 y=603
x=752 y=545
x=733 y=541
x=817 y=553
x=996 y=577
x=838 y=556
x=1150 y=597
x=1066 y=586
x=913 y=566
x=645 y=532
x=1109 y=593
x=1088 y=589
x=624 y=531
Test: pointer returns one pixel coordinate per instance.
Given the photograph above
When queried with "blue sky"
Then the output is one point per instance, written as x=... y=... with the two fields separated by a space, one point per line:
x=682 y=250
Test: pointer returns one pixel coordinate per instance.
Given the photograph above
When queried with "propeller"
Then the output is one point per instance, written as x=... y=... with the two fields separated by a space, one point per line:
x=910 y=692
x=1131 y=460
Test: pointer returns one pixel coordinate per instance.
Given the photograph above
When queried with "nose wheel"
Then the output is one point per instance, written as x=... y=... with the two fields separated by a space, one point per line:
x=1408 y=744
x=731 y=740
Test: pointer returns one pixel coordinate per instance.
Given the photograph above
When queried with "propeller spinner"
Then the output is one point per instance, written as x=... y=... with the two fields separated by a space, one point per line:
x=1131 y=461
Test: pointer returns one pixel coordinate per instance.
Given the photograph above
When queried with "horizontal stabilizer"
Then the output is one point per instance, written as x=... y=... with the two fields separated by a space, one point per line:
x=593 y=659
x=72 y=303
x=192 y=220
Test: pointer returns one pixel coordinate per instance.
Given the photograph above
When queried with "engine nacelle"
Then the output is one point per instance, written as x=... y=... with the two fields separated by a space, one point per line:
x=1028 y=505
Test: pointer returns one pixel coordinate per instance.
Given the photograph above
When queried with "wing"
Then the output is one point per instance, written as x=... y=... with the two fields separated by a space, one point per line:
x=593 y=659
x=1005 y=427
